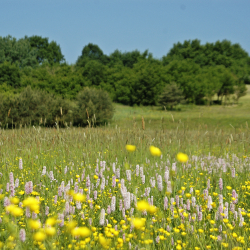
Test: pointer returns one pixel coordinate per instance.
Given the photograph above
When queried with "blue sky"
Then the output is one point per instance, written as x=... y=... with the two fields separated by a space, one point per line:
x=126 y=25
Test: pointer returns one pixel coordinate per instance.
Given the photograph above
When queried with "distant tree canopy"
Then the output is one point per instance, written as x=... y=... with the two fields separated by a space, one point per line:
x=200 y=71
x=17 y=52
x=29 y=51
x=45 y=50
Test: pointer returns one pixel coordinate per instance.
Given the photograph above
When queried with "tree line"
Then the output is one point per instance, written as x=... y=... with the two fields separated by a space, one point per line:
x=196 y=72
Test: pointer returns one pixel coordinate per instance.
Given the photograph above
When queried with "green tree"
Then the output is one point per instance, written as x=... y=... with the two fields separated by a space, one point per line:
x=45 y=50
x=150 y=79
x=171 y=96
x=10 y=75
x=95 y=72
x=91 y=52
x=17 y=52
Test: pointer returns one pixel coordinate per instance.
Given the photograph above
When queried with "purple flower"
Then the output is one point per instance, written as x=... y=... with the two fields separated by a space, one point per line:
x=44 y=170
x=159 y=182
x=221 y=184
x=113 y=203
x=165 y=203
x=20 y=164
x=46 y=210
x=102 y=217
x=22 y=235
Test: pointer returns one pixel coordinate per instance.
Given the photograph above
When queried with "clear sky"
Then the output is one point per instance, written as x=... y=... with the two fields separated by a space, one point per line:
x=126 y=25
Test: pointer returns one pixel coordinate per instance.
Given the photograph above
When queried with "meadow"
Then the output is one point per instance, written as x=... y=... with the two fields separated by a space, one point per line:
x=83 y=188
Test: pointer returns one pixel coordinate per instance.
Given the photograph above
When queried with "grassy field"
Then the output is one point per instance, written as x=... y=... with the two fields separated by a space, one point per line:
x=212 y=117
x=81 y=188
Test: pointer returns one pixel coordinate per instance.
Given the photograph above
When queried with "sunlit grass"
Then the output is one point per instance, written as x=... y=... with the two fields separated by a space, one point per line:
x=91 y=191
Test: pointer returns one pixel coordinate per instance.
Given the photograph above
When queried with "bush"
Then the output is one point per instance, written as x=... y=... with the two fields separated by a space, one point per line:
x=93 y=107
x=34 y=107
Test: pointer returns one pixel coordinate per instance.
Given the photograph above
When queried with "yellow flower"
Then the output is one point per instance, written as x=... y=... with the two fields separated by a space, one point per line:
x=185 y=214
x=182 y=157
x=32 y=203
x=155 y=151
x=212 y=222
x=122 y=222
x=142 y=205
x=152 y=209
x=50 y=221
x=178 y=247
x=71 y=225
x=39 y=236
x=14 y=200
x=130 y=148
x=84 y=231
x=79 y=197
x=138 y=223
x=50 y=231
x=200 y=230
x=14 y=210
x=104 y=242
x=34 y=224
x=96 y=177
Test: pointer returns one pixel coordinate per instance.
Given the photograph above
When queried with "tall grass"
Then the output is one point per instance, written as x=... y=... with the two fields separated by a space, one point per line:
x=217 y=145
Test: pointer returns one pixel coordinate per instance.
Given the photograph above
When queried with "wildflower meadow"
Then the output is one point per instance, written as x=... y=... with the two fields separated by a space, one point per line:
x=126 y=187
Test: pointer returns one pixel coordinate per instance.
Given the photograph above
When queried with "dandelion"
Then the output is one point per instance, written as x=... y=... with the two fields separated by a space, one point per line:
x=14 y=210
x=105 y=243
x=138 y=223
x=32 y=203
x=50 y=231
x=35 y=224
x=143 y=206
x=155 y=151
x=79 y=197
x=39 y=236
x=182 y=157
x=130 y=148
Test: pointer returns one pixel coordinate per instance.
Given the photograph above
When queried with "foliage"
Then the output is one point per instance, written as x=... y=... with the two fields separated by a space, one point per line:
x=91 y=52
x=171 y=96
x=93 y=106
x=17 y=52
x=10 y=75
x=202 y=71
x=33 y=107
x=46 y=51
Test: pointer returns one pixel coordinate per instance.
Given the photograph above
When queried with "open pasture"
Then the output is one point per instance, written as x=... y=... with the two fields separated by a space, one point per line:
x=79 y=188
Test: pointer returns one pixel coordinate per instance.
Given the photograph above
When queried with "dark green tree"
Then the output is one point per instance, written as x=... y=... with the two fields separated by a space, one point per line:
x=150 y=79
x=46 y=51
x=95 y=72
x=91 y=52
x=171 y=96
x=10 y=75
x=17 y=52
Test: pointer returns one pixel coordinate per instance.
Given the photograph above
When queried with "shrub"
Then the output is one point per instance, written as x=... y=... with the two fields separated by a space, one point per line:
x=34 y=107
x=93 y=106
